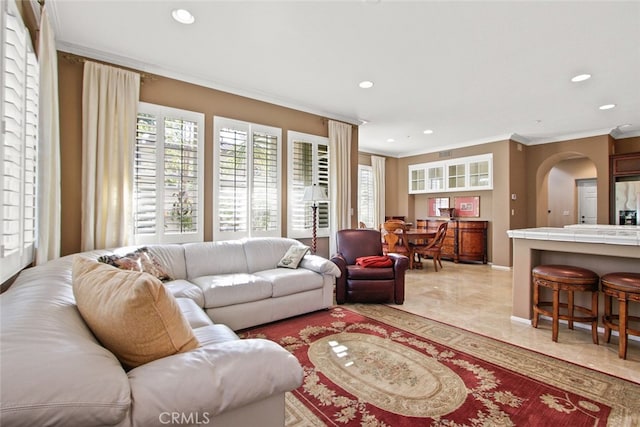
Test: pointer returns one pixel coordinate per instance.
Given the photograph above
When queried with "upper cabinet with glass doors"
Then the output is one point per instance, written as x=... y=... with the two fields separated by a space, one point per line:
x=461 y=174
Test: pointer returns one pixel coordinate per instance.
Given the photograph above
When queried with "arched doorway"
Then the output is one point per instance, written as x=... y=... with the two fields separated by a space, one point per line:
x=557 y=181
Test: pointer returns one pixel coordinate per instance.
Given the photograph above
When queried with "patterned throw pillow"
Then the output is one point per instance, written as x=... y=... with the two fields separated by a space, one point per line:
x=293 y=256
x=138 y=260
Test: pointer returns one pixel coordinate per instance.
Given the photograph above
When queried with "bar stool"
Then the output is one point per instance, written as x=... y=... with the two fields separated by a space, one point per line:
x=570 y=279
x=625 y=287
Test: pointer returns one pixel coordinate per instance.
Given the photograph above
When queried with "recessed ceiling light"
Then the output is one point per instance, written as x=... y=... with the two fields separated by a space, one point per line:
x=581 y=78
x=391 y=140
x=183 y=16
x=607 y=106
x=427 y=132
x=366 y=84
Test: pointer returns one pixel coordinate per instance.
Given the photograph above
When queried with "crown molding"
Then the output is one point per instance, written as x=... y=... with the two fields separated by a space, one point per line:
x=127 y=62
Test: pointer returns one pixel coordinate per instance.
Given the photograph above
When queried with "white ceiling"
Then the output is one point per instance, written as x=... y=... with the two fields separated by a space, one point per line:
x=472 y=72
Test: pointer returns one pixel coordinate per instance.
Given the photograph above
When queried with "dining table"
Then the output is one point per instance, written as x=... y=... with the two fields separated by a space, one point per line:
x=415 y=235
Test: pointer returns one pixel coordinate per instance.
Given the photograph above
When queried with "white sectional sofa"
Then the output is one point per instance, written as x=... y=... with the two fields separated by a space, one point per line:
x=53 y=370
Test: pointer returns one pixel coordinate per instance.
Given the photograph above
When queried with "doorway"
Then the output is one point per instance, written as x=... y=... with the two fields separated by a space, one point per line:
x=587 y=201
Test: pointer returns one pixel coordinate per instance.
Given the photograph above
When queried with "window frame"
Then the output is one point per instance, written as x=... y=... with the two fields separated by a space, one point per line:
x=161 y=236
x=294 y=199
x=25 y=159
x=251 y=129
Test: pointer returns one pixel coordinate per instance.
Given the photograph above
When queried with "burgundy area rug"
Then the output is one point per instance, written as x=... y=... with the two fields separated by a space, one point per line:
x=373 y=365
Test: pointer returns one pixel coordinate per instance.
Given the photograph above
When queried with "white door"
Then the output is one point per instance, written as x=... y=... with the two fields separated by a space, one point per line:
x=587 y=201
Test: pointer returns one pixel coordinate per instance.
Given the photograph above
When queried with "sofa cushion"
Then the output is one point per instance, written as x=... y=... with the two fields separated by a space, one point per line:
x=287 y=282
x=130 y=312
x=215 y=334
x=52 y=369
x=185 y=289
x=228 y=289
x=171 y=256
x=194 y=314
x=209 y=258
x=293 y=256
x=264 y=253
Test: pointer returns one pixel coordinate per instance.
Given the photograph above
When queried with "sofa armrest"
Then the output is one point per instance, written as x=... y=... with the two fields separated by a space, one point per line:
x=320 y=265
x=212 y=379
x=341 y=281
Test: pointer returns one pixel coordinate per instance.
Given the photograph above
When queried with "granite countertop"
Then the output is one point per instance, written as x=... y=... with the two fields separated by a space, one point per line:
x=609 y=234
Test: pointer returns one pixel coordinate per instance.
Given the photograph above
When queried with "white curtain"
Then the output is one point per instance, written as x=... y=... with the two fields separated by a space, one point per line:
x=340 y=179
x=378 y=167
x=48 y=246
x=109 y=108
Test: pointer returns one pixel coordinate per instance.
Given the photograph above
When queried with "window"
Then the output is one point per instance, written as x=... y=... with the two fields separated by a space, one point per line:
x=308 y=165
x=366 y=196
x=168 y=175
x=246 y=180
x=18 y=149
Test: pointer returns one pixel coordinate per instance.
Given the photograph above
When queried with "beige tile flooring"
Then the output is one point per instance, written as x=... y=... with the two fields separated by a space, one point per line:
x=477 y=297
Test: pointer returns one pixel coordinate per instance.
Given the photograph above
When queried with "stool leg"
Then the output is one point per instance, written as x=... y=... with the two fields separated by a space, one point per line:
x=622 y=328
x=556 y=314
x=536 y=295
x=607 y=315
x=570 y=308
x=594 y=313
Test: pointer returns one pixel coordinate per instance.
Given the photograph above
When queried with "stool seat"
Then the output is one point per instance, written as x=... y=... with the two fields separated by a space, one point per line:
x=569 y=279
x=567 y=272
x=625 y=287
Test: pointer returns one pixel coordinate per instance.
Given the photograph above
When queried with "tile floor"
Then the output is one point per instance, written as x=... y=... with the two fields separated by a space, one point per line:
x=477 y=297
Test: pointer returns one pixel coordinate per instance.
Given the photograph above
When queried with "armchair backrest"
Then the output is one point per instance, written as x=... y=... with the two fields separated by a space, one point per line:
x=354 y=243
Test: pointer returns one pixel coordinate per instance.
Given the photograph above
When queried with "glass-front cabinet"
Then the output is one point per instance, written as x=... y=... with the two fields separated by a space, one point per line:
x=416 y=179
x=435 y=178
x=461 y=174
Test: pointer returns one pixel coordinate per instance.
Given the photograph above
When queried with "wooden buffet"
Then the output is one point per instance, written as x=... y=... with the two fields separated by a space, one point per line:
x=466 y=240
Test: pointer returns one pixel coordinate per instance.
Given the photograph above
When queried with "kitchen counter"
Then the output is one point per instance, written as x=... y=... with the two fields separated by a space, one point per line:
x=600 y=248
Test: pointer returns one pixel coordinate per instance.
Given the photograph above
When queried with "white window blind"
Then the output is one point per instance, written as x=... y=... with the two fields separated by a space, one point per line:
x=247 y=196
x=168 y=175
x=18 y=150
x=365 y=196
x=308 y=165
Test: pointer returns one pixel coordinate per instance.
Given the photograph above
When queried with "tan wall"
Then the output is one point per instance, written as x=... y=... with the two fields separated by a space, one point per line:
x=563 y=195
x=177 y=94
x=519 y=212
x=540 y=160
x=494 y=205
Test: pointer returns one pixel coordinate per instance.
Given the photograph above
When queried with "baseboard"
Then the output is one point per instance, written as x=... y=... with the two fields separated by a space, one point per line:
x=501 y=267
x=520 y=320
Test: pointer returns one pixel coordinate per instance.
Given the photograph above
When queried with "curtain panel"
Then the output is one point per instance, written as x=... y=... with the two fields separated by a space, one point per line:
x=378 y=167
x=48 y=193
x=109 y=108
x=340 y=179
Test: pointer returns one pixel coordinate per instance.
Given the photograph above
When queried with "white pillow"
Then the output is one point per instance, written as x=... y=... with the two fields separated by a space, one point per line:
x=293 y=256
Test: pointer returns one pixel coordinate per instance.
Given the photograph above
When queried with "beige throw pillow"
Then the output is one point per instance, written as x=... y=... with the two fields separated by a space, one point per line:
x=130 y=312
x=293 y=256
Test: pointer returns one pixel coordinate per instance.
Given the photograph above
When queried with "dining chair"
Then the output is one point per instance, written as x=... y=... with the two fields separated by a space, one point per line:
x=394 y=239
x=432 y=249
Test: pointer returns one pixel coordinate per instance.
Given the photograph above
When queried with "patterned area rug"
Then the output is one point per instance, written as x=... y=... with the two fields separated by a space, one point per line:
x=373 y=365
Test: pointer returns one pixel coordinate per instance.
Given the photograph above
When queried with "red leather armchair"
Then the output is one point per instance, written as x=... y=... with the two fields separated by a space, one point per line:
x=358 y=284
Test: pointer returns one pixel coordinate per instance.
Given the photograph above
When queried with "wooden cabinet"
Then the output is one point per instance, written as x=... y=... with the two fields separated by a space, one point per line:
x=465 y=240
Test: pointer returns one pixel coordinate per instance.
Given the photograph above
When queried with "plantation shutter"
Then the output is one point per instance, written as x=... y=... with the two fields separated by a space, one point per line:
x=308 y=165
x=18 y=150
x=247 y=180
x=365 y=196
x=264 y=195
x=168 y=176
x=233 y=181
